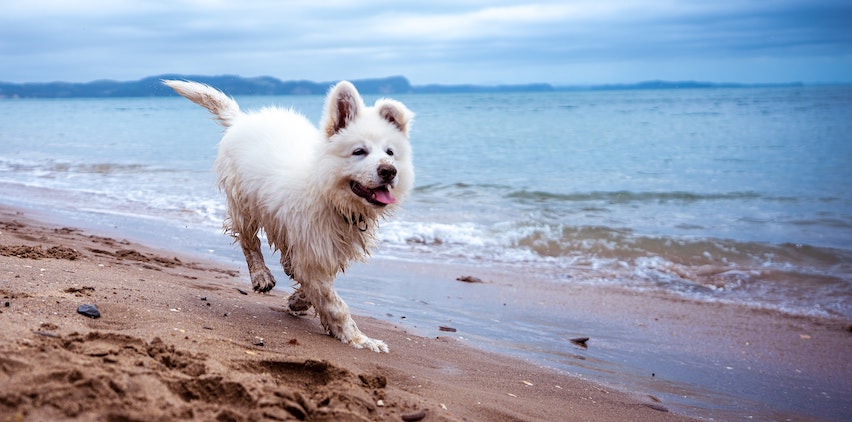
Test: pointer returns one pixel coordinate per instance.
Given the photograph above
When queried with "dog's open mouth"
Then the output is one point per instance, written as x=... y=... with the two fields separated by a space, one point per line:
x=377 y=196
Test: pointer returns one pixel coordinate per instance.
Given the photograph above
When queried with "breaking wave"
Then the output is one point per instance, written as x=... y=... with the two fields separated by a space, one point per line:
x=783 y=276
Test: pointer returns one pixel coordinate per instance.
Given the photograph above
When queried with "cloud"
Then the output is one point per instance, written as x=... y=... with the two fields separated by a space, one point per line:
x=441 y=41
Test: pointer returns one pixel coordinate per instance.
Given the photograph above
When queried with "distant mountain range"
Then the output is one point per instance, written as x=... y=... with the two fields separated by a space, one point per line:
x=267 y=85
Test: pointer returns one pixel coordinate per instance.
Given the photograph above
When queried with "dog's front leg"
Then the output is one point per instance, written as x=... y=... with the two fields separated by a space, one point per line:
x=335 y=317
x=261 y=278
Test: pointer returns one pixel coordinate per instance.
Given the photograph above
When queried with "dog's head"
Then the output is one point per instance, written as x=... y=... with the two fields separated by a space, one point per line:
x=368 y=155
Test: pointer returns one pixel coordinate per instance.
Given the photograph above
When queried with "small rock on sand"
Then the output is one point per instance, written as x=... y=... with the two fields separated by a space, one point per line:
x=415 y=416
x=470 y=279
x=89 y=310
x=580 y=341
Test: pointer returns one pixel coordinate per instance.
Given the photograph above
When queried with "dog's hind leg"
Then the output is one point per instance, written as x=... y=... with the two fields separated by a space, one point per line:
x=298 y=303
x=335 y=317
x=261 y=278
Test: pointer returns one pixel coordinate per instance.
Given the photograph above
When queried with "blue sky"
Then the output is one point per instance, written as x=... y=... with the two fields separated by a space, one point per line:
x=449 y=42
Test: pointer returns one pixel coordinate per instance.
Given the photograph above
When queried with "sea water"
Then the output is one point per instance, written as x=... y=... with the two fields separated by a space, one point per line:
x=737 y=196
x=740 y=195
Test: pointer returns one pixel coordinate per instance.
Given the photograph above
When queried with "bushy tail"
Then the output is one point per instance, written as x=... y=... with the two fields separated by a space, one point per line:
x=222 y=106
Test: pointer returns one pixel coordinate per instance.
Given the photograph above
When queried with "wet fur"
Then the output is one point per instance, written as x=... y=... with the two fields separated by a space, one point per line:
x=281 y=174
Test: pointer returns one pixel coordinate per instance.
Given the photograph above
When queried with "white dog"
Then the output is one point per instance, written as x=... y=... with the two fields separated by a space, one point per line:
x=318 y=194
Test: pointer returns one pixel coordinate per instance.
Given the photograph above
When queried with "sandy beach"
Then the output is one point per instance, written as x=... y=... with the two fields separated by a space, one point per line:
x=182 y=339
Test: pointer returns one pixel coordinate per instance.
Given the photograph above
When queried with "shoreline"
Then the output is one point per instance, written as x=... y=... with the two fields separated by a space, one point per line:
x=647 y=352
x=703 y=359
x=176 y=331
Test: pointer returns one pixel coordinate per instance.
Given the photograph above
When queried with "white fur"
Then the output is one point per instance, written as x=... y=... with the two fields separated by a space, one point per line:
x=283 y=175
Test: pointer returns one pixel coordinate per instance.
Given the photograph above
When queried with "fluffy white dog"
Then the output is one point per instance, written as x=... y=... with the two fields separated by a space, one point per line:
x=317 y=193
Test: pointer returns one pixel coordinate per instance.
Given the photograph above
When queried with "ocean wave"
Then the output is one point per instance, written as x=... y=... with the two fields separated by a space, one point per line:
x=50 y=167
x=551 y=241
x=627 y=196
x=611 y=197
x=706 y=268
x=535 y=230
x=187 y=205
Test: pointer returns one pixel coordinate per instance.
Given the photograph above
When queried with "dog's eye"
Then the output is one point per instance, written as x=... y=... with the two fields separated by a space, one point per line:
x=359 y=151
x=389 y=151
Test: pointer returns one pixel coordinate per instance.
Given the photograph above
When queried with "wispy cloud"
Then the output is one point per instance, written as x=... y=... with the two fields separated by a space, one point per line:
x=444 y=41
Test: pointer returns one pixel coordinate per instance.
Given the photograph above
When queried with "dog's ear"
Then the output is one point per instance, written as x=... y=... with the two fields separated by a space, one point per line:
x=395 y=113
x=342 y=105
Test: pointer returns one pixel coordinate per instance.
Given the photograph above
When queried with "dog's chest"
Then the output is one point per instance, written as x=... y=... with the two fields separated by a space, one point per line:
x=328 y=249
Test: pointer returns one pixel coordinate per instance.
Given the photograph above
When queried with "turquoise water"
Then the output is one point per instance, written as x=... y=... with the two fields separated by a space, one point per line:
x=718 y=194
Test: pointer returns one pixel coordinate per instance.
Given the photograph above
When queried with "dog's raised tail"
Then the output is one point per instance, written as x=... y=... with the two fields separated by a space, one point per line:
x=222 y=106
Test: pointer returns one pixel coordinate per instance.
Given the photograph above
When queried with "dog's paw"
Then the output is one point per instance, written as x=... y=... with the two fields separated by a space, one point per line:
x=377 y=346
x=364 y=342
x=298 y=303
x=349 y=333
x=262 y=281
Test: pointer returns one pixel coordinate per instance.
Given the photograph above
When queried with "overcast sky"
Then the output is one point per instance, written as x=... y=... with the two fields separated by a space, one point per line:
x=449 y=42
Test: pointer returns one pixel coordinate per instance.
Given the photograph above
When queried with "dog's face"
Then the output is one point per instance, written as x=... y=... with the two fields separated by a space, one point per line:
x=368 y=155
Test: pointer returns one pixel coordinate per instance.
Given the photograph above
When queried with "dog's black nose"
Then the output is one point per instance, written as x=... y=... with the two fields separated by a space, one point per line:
x=386 y=172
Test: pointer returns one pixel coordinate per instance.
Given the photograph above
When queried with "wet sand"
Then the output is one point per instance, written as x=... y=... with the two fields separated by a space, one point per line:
x=177 y=339
x=709 y=360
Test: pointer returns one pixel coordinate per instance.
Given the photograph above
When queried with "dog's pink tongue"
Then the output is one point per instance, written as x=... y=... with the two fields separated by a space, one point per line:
x=383 y=196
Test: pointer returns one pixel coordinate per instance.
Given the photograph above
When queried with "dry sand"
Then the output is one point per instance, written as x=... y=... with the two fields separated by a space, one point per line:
x=177 y=339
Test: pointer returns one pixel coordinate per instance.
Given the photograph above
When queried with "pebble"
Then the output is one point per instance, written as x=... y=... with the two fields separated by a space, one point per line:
x=89 y=310
x=469 y=279
x=580 y=341
x=414 y=417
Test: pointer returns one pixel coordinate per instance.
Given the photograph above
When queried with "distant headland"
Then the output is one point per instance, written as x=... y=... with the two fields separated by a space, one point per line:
x=267 y=85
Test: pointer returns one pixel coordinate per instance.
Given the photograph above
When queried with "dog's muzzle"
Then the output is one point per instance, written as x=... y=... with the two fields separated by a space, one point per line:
x=379 y=196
